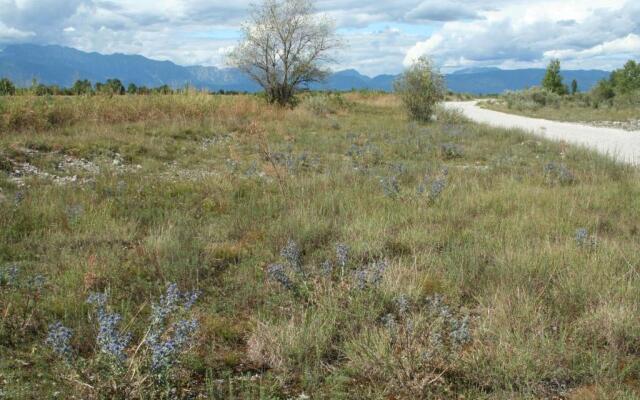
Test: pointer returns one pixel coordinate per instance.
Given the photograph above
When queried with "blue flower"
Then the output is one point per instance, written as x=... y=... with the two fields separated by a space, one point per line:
x=167 y=304
x=291 y=253
x=342 y=255
x=278 y=273
x=58 y=339
x=110 y=340
x=165 y=343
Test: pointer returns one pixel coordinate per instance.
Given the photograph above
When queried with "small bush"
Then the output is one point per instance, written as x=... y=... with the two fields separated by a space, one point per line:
x=558 y=174
x=324 y=104
x=7 y=88
x=421 y=88
x=450 y=151
x=451 y=117
x=318 y=105
x=532 y=99
x=415 y=350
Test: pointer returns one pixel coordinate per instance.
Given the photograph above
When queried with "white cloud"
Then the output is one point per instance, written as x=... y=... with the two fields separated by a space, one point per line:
x=628 y=45
x=9 y=34
x=439 y=10
x=426 y=47
x=460 y=33
x=528 y=34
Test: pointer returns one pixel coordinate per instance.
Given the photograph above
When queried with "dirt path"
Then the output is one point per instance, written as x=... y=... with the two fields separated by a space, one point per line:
x=617 y=143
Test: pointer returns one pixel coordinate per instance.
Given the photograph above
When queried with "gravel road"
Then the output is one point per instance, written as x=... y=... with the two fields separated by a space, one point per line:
x=622 y=145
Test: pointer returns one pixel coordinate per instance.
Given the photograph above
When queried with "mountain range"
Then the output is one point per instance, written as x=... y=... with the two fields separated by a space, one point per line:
x=64 y=65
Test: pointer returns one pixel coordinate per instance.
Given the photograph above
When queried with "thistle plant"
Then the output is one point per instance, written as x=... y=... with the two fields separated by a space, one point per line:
x=437 y=187
x=420 y=344
x=433 y=187
x=402 y=304
x=327 y=268
x=451 y=151
x=584 y=239
x=399 y=168
x=558 y=173
x=58 y=339
x=292 y=258
x=390 y=186
x=342 y=256
x=456 y=328
x=20 y=303
x=370 y=275
x=582 y=235
x=110 y=340
x=129 y=367
x=9 y=276
x=291 y=254
x=277 y=272
x=166 y=341
x=165 y=352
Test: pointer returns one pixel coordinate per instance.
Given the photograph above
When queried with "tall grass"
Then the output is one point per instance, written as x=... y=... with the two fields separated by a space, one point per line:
x=40 y=113
x=482 y=288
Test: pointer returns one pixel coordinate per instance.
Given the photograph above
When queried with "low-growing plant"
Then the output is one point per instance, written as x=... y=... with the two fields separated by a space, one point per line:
x=119 y=369
x=390 y=186
x=531 y=99
x=433 y=186
x=450 y=151
x=559 y=173
x=21 y=296
x=323 y=104
x=584 y=239
x=415 y=351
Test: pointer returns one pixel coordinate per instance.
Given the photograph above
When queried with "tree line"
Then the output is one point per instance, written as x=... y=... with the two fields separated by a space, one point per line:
x=84 y=87
x=622 y=82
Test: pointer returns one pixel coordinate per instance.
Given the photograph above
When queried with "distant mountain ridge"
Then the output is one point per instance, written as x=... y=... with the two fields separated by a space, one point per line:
x=64 y=65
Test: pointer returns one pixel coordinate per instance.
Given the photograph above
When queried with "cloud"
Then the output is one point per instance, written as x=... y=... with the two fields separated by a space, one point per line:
x=381 y=35
x=10 y=35
x=528 y=34
x=628 y=45
x=441 y=11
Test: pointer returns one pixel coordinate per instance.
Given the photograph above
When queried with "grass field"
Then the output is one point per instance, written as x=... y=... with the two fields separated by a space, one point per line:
x=622 y=117
x=340 y=251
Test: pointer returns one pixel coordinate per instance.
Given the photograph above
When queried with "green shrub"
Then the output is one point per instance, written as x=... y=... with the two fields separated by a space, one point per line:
x=7 y=88
x=110 y=87
x=421 y=87
x=81 y=87
x=626 y=79
x=630 y=99
x=319 y=105
x=602 y=92
x=532 y=99
x=324 y=103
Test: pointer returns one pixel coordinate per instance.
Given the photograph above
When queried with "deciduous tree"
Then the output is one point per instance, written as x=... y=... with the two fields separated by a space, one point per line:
x=285 y=46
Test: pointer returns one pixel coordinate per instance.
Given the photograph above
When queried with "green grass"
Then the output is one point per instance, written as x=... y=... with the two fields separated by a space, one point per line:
x=572 y=112
x=210 y=207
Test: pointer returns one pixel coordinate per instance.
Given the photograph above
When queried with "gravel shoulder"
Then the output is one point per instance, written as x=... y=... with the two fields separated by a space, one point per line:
x=622 y=145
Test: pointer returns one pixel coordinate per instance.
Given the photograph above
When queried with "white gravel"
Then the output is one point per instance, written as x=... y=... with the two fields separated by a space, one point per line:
x=622 y=145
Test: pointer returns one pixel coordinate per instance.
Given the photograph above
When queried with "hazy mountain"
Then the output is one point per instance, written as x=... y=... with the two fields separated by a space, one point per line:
x=495 y=80
x=63 y=65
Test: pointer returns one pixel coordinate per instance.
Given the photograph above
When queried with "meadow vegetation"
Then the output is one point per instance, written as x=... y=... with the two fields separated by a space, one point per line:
x=198 y=246
x=612 y=102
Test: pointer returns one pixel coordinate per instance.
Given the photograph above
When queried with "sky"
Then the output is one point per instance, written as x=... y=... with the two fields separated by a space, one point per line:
x=382 y=36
